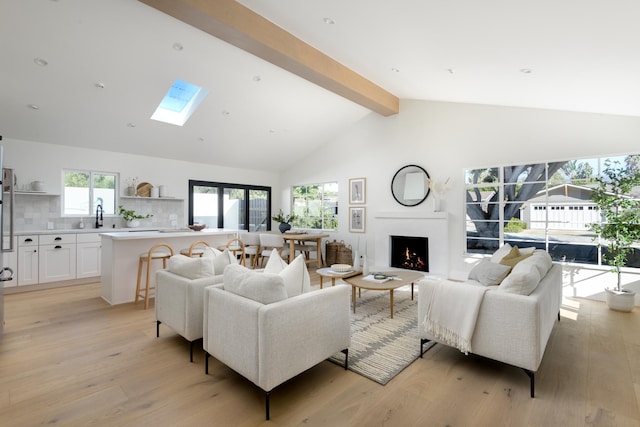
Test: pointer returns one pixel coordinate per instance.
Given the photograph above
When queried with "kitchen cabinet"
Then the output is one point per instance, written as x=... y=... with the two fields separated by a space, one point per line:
x=57 y=257
x=89 y=254
x=10 y=259
x=28 y=260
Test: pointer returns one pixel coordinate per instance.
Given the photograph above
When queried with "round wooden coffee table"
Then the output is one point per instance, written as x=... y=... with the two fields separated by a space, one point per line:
x=400 y=278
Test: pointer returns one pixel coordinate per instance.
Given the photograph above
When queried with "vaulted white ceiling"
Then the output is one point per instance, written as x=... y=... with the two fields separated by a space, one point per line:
x=110 y=62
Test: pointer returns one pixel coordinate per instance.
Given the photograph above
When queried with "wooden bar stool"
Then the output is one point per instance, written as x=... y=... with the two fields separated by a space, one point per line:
x=193 y=251
x=154 y=253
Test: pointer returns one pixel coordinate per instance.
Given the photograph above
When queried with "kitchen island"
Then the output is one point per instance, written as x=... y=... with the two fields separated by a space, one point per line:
x=121 y=251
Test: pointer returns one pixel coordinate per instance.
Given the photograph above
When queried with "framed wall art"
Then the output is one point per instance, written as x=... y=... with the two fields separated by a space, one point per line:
x=357 y=219
x=357 y=191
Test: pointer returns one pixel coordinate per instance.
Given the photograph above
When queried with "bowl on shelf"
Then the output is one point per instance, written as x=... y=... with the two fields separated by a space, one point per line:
x=198 y=227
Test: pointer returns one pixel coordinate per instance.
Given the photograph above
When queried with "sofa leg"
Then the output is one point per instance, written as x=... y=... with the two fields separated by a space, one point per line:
x=158 y=328
x=206 y=363
x=558 y=316
x=531 y=376
x=346 y=358
x=424 y=341
x=191 y=350
x=266 y=399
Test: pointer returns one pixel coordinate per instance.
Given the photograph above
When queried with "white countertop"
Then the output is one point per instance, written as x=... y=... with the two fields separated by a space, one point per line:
x=120 y=233
x=80 y=231
x=164 y=233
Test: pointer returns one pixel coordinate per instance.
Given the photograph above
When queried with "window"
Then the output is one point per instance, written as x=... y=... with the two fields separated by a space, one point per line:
x=316 y=206
x=233 y=206
x=180 y=102
x=85 y=190
x=546 y=205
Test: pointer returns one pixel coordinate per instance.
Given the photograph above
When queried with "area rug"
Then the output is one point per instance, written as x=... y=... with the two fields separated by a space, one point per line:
x=382 y=347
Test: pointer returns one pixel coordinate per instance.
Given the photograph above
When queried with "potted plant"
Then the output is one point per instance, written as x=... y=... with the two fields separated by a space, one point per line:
x=620 y=225
x=131 y=217
x=284 y=220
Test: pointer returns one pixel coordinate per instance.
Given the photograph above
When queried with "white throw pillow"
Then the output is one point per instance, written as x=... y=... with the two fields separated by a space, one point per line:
x=220 y=259
x=501 y=253
x=296 y=277
x=489 y=273
x=523 y=279
x=526 y=275
x=265 y=288
x=275 y=263
x=191 y=268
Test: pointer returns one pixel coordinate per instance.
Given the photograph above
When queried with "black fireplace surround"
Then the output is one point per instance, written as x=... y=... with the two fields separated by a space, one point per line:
x=410 y=253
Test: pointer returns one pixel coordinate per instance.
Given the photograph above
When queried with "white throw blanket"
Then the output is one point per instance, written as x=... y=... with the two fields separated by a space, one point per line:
x=452 y=311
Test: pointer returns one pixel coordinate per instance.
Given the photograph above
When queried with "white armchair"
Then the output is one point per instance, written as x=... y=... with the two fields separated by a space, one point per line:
x=251 y=326
x=180 y=292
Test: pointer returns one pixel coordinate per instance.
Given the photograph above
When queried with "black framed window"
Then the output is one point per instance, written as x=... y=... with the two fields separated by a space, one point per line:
x=232 y=206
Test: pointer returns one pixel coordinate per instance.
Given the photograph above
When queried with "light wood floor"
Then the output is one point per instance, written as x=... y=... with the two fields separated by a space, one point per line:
x=68 y=358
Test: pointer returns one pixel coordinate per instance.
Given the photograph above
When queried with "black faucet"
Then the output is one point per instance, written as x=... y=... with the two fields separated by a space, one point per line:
x=99 y=211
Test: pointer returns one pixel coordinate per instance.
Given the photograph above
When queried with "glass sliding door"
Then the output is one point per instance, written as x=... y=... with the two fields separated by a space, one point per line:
x=234 y=209
x=204 y=205
x=258 y=210
x=230 y=206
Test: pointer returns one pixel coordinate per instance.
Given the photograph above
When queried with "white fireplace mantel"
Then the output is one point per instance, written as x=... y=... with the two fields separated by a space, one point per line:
x=433 y=225
x=412 y=215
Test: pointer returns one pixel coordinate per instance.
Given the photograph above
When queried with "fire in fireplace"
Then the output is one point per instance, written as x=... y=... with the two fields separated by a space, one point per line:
x=410 y=253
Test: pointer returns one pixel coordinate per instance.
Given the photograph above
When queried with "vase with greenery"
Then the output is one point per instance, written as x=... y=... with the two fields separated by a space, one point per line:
x=131 y=217
x=284 y=220
x=619 y=228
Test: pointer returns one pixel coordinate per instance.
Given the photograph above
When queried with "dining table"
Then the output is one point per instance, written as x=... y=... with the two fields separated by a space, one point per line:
x=293 y=236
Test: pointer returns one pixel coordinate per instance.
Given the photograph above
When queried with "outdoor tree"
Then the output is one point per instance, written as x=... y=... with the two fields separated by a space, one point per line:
x=522 y=182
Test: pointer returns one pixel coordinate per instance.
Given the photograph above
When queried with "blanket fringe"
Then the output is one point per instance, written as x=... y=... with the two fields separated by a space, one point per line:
x=447 y=336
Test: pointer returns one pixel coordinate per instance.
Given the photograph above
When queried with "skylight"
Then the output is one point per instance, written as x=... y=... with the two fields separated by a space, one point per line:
x=181 y=100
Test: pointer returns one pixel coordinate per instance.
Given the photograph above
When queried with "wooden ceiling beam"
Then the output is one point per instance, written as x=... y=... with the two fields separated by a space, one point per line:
x=238 y=25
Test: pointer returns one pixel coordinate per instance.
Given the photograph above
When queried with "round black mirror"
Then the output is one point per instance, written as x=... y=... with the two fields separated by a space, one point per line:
x=409 y=185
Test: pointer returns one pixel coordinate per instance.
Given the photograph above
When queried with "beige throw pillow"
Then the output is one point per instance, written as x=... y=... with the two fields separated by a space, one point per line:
x=501 y=253
x=513 y=257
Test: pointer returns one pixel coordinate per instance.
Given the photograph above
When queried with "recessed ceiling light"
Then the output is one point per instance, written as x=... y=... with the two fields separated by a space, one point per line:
x=526 y=70
x=178 y=47
x=329 y=21
x=33 y=107
x=100 y=85
x=131 y=125
x=41 y=62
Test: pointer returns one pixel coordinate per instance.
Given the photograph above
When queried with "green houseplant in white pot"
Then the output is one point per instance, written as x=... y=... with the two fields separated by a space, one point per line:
x=131 y=217
x=620 y=225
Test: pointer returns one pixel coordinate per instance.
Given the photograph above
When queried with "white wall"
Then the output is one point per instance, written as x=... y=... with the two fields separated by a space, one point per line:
x=33 y=161
x=445 y=138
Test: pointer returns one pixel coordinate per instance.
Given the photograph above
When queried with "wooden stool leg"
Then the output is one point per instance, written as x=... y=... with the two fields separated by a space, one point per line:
x=138 y=281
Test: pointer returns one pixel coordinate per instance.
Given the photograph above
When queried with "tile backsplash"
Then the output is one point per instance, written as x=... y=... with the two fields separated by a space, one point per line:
x=35 y=212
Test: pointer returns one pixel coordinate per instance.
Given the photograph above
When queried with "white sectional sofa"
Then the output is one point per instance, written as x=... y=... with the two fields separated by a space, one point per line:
x=514 y=322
